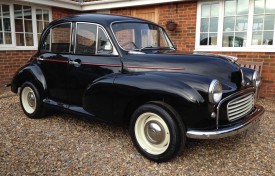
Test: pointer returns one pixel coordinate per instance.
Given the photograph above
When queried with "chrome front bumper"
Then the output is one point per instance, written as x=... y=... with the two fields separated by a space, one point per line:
x=251 y=121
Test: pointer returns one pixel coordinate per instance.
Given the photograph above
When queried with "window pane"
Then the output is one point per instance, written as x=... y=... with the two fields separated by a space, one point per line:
x=61 y=38
x=0 y=11
x=29 y=40
x=241 y=23
x=18 y=11
x=7 y=24
x=258 y=22
x=259 y=6
x=205 y=10
x=18 y=25
x=38 y=37
x=27 y=12
x=227 y=40
x=214 y=10
x=270 y=6
x=46 y=24
x=269 y=22
x=257 y=38
x=0 y=24
x=8 y=37
x=28 y=25
x=20 y=39
x=204 y=39
x=46 y=15
x=6 y=10
x=213 y=38
x=243 y=6
x=230 y=8
x=38 y=14
x=240 y=39
x=228 y=24
x=1 y=38
x=213 y=25
x=204 y=24
x=268 y=38
x=39 y=26
x=86 y=39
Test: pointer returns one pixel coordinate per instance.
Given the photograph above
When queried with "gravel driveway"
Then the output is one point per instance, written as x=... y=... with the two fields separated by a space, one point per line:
x=64 y=144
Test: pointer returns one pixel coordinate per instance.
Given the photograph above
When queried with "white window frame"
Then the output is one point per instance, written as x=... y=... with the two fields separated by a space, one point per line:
x=34 y=25
x=249 y=47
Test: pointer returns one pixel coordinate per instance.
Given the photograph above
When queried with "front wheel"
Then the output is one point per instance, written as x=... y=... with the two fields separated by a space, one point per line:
x=31 y=101
x=157 y=131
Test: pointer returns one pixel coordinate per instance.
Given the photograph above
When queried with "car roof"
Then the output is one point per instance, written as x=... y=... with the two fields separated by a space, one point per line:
x=103 y=19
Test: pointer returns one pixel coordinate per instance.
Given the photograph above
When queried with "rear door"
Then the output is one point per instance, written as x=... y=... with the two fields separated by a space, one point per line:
x=53 y=59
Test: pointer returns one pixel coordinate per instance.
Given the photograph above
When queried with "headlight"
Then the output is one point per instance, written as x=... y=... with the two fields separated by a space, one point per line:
x=215 y=92
x=256 y=79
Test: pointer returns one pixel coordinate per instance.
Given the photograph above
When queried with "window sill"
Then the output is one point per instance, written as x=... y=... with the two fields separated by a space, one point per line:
x=231 y=49
x=2 y=48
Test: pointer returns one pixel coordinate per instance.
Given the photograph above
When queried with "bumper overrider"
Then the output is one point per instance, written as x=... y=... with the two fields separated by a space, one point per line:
x=250 y=121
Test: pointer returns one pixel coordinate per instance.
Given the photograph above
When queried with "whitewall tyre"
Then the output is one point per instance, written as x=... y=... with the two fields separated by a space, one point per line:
x=31 y=101
x=157 y=131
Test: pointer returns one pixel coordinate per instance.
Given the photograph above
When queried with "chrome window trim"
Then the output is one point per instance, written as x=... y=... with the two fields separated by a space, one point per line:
x=114 y=53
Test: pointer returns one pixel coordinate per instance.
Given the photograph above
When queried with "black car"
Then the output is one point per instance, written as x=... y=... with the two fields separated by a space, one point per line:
x=126 y=71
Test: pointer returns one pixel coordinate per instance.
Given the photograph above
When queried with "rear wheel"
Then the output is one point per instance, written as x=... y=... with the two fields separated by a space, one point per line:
x=31 y=101
x=157 y=131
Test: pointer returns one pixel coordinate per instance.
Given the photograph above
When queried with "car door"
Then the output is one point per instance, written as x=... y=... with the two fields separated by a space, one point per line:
x=53 y=59
x=94 y=57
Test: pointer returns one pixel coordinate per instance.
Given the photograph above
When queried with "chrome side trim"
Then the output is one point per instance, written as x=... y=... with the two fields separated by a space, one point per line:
x=227 y=98
x=251 y=120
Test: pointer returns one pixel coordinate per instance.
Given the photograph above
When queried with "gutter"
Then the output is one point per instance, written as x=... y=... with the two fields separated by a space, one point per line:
x=98 y=5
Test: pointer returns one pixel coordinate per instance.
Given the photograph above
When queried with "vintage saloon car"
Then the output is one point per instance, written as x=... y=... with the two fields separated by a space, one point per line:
x=126 y=71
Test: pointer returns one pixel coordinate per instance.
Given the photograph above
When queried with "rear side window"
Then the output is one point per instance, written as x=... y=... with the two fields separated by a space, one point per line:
x=58 y=40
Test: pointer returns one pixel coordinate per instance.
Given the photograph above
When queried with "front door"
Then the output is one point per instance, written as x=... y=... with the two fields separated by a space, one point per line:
x=53 y=59
x=94 y=57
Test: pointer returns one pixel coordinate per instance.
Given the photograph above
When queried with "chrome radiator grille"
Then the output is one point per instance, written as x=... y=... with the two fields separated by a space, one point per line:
x=240 y=106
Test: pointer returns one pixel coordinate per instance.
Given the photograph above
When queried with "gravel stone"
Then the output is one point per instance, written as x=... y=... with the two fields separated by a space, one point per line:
x=64 y=144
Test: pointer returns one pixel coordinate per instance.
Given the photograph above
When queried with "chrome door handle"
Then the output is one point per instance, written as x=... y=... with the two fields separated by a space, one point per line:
x=40 y=59
x=75 y=63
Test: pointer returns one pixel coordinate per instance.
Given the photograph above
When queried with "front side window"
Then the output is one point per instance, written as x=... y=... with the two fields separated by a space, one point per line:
x=237 y=25
x=91 y=40
x=58 y=39
x=5 y=25
x=138 y=36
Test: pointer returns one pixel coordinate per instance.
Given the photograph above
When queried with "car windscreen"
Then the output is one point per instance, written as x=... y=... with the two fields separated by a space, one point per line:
x=139 y=36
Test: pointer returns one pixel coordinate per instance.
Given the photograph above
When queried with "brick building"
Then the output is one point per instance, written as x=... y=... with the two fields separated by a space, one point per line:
x=242 y=28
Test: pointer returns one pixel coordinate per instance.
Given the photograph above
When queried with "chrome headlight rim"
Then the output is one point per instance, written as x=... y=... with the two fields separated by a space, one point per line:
x=256 y=80
x=215 y=92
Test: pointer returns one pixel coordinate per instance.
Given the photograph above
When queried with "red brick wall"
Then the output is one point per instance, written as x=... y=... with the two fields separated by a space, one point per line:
x=10 y=61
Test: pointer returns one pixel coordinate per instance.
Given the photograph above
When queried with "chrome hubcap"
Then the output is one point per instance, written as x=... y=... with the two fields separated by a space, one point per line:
x=154 y=132
x=31 y=99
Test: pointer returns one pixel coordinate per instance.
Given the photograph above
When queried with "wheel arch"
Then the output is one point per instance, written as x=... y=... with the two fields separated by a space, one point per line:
x=30 y=73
